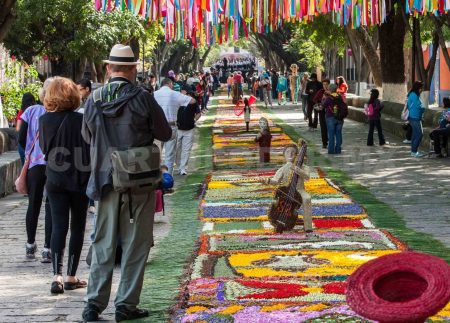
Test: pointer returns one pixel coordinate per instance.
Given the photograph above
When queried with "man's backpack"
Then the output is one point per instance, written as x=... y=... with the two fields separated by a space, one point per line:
x=132 y=167
x=340 y=108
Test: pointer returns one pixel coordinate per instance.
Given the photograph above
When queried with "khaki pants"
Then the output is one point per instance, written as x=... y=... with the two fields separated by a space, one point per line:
x=307 y=211
x=185 y=140
x=113 y=226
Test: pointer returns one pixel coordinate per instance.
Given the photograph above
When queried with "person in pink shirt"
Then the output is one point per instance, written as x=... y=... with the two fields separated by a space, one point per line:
x=237 y=78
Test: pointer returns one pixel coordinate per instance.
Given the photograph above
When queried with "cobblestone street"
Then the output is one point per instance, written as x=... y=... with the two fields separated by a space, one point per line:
x=25 y=285
x=417 y=188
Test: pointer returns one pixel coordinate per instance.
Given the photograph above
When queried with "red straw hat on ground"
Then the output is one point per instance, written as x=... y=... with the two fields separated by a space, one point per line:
x=403 y=287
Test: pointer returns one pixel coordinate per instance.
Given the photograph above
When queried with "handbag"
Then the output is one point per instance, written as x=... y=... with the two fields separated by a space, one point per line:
x=135 y=167
x=318 y=107
x=21 y=181
x=405 y=112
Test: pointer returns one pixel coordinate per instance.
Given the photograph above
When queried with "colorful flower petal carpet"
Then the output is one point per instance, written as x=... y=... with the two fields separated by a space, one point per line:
x=243 y=271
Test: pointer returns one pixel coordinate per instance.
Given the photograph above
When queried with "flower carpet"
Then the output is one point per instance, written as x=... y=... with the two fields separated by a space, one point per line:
x=243 y=271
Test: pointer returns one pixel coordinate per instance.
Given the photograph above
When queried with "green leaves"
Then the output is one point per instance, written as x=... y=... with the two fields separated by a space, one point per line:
x=71 y=30
x=16 y=87
x=312 y=39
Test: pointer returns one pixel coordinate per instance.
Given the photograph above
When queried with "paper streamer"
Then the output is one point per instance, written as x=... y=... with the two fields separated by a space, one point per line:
x=215 y=21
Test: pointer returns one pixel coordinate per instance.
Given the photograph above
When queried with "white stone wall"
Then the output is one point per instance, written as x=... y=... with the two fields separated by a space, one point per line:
x=394 y=92
x=4 y=59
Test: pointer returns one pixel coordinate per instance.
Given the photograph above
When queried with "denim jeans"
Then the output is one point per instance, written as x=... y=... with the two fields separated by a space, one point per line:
x=417 y=134
x=305 y=104
x=21 y=152
x=334 y=135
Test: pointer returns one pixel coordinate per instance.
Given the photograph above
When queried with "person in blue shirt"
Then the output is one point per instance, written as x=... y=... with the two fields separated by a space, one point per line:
x=282 y=87
x=416 y=110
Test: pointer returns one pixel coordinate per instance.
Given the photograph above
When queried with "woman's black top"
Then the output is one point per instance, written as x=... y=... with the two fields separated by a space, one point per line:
x=66 y=153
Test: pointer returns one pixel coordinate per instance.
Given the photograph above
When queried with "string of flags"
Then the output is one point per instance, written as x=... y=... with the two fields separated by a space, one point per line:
x=217 y=21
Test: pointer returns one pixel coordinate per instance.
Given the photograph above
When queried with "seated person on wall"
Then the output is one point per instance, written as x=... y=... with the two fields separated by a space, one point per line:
x=440 y=135
x=283 y=176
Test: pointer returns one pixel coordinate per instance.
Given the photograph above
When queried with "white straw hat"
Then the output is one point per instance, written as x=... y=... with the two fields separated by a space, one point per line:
x=121 y=55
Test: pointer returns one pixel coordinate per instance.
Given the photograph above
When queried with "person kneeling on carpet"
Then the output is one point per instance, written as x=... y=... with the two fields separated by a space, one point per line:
x=283 y=175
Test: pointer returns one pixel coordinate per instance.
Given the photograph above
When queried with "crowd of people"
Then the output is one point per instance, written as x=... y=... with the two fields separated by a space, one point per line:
x=81 y=146
x=324 y=104
x=235 y=64
x=77 y=145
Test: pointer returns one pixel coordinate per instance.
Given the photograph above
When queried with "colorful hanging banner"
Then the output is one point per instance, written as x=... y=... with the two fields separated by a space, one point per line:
x=213 y=21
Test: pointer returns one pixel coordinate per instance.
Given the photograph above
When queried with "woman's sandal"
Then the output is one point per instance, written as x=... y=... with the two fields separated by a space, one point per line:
x=75 y=285
x=57 y=287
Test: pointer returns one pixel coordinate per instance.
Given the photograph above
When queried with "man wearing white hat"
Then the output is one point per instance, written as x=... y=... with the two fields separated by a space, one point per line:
x=118 y=117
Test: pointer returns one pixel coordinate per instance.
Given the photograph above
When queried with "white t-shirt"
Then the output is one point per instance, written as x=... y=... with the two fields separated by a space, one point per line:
x=170 y=101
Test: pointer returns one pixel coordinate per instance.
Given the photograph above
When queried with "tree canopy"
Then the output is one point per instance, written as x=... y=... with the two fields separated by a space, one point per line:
x=315 y=40
x=68 y=31
x=7 y=15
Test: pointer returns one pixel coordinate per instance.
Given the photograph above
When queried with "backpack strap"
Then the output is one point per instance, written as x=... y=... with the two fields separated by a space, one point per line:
x=97 y=96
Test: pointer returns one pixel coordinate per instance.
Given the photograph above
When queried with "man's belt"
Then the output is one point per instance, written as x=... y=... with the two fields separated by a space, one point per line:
x=172 y=123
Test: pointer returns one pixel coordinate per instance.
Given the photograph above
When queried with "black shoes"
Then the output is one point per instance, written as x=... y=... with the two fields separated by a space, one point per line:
x=57 y=287
x=91 y=313
x=123 y=313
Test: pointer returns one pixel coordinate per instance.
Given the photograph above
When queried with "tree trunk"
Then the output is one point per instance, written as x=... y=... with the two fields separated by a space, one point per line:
x=195 y=60
x=80 y=68
x=100 y=73
x=438 y=23
x=369 y=48
x=93 y=72
x=7 y=16
x=188 y=60
x=134 y=44
x=425 y=71
x=61 y=68
x=392 y=38
x=204 y=56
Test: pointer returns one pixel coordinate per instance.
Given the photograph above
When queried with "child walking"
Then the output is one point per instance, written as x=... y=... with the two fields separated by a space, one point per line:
x=373 y=111
x=247 y=112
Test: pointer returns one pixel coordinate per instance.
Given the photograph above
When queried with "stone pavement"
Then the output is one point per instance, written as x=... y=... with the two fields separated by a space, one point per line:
x=25 y=285
x=417 y=188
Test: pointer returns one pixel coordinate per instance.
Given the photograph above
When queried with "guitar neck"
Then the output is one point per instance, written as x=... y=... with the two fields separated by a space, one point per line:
x=299 y=164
